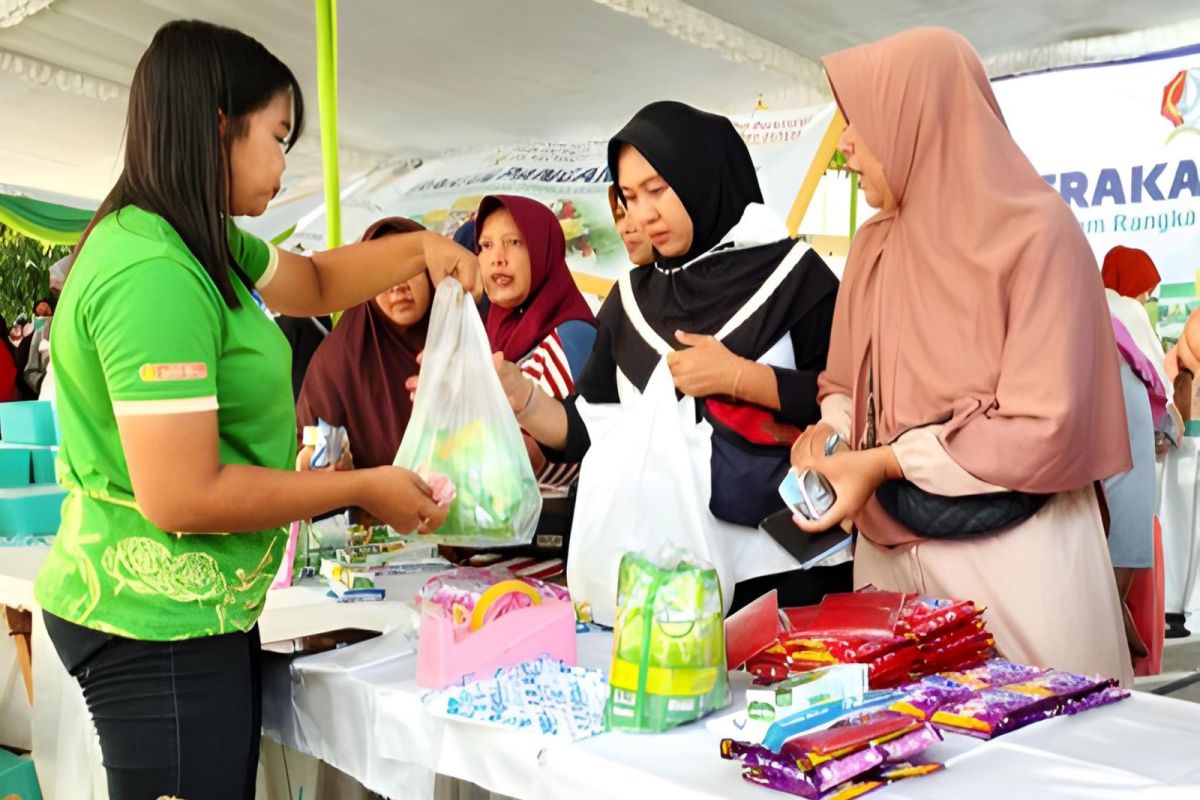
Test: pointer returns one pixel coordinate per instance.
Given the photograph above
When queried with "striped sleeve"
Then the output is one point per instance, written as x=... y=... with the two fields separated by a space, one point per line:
x=547 y=367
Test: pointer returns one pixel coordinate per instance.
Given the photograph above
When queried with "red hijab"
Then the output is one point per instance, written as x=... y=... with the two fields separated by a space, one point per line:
x=553 y=296
x=356 y=377
x=1129 y=272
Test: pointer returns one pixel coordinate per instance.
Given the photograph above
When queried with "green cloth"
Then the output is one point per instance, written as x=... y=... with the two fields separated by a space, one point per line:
x=142 y=329
x=47 y=222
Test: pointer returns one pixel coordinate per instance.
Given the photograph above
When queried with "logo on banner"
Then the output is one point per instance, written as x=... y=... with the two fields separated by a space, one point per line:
x=1181 y=102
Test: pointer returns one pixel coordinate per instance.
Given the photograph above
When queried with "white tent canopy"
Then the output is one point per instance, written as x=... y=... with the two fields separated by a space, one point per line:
x=426 y=76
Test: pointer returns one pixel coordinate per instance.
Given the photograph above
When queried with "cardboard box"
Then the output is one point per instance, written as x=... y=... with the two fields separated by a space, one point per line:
x=31 y=510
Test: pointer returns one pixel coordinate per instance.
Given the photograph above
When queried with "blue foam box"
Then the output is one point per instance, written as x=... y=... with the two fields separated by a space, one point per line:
x=44 y=459
x=30 y=511
x=18 y=778
x=14 y=468
x=29 y=422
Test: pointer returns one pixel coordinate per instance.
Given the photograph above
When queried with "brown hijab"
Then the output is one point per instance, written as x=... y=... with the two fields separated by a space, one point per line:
x=977 y=303
x=356 y=377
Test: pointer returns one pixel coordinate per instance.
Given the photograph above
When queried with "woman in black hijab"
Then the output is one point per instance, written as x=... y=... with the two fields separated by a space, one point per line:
x=723 y=265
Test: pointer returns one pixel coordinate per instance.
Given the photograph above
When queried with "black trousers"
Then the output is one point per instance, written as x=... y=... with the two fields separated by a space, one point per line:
x=796 y=588
x=174 y=718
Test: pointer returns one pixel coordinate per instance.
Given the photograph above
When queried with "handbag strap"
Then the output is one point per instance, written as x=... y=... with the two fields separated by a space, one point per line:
x=634 y=312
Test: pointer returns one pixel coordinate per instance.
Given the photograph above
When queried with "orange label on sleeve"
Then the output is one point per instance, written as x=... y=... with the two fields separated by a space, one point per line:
x=152 y=373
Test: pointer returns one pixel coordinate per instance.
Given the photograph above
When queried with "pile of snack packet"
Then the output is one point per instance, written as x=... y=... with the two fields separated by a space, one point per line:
x=458 y=590
x=372 y=552
x=999 y=696
x=899 y=637
x=856 y=755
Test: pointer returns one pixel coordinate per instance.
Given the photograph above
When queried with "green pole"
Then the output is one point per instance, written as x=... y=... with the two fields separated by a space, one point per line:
x=328 y=109
x=853 y=203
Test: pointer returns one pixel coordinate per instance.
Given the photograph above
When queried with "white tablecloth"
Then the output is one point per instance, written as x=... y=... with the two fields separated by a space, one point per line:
x=360 y=710
x=370 y=722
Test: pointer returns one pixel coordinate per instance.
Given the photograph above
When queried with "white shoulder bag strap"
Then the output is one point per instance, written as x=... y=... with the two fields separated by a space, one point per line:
x=756 y=301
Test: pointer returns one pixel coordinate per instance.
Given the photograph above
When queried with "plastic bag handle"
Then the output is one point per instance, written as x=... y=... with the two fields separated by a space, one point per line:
x=494 y=593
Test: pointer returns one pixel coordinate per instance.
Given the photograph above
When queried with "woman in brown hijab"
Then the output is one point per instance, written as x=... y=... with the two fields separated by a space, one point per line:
x=356 y=377
x=972 y=355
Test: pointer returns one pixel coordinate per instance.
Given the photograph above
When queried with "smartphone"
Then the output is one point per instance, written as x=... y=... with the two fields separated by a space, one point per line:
x=807 y=494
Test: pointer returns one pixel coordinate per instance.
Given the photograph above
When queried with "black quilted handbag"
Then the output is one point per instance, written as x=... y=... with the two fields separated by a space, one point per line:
x=936 y=516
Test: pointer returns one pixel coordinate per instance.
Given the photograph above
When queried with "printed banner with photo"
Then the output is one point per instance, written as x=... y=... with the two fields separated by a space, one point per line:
x=572 y=179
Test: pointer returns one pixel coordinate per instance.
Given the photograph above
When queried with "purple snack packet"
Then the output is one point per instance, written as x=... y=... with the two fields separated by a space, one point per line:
x=792 y=781
x=910 y=744
x=831 y=773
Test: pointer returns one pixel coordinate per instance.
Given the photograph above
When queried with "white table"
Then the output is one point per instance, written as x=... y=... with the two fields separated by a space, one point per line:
x=370 y=723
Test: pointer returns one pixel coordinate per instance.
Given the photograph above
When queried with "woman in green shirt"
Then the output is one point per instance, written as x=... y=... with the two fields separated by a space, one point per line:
x=178 y=428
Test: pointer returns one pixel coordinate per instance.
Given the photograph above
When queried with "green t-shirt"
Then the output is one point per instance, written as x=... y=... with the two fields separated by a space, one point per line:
x=142 y=329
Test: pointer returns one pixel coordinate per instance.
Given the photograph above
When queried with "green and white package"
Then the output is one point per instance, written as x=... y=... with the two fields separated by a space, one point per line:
x=668 y=664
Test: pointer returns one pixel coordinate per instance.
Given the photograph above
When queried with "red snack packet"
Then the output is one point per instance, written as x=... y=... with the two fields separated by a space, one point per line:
x=928 y=617
x=842 y=739
x=862 y=613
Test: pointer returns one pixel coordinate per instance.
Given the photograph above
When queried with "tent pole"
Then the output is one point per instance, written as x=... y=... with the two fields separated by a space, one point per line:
x=809 y=187
x=328 y=110
x=853 y=203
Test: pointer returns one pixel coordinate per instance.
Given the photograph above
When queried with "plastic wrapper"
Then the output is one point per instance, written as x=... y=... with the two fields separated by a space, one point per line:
x=812 y=748
x=910 y=744
x=1103 y=696
x=992 y=712
x=928 y=617
x=769 y=769
x=327 y=442
x=458 y=590
x=462 y=427
x=884 y=775
x=542 y=696
x=894 y=668
x=668 y=663
x=862 y=613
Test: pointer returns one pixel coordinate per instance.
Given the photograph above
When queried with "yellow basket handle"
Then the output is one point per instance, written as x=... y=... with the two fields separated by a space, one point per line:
x=495 y=592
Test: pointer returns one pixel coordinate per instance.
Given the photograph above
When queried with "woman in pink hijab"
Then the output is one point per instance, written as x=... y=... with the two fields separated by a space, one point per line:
x=972 y=365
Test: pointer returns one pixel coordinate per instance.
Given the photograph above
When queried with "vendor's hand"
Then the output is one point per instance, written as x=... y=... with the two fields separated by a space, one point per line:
x=706 y=368
x=854 y=476
x=446 y=258
x=398 y=497
x=517 y=388
x=344 y=464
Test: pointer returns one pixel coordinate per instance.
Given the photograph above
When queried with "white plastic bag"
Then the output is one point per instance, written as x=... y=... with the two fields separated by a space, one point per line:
x=463 y=427
x=643 y=483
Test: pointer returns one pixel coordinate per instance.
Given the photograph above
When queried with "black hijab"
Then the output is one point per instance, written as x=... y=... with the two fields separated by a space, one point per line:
x=704 y=160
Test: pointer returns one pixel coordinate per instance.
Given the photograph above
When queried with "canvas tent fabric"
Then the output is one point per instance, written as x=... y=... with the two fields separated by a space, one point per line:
x=409 y=73
x=49 y=223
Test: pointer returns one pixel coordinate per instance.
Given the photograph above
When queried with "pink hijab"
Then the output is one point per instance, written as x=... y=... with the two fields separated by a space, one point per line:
x=977 y=302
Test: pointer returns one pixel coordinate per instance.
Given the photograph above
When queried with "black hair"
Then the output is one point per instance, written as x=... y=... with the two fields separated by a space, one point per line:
x=176 y=159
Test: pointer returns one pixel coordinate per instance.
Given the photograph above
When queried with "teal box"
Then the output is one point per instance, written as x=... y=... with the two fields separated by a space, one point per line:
x=32 y=510
x=44 y=459
x=28 y=423
x=14 y=468
x=18 y=778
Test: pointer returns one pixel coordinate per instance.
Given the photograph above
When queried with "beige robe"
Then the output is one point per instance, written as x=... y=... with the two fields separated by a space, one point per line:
x=1047 y=584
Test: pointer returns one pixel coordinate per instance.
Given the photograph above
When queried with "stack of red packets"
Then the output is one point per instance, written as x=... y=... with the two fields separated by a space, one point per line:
x=900 y=637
